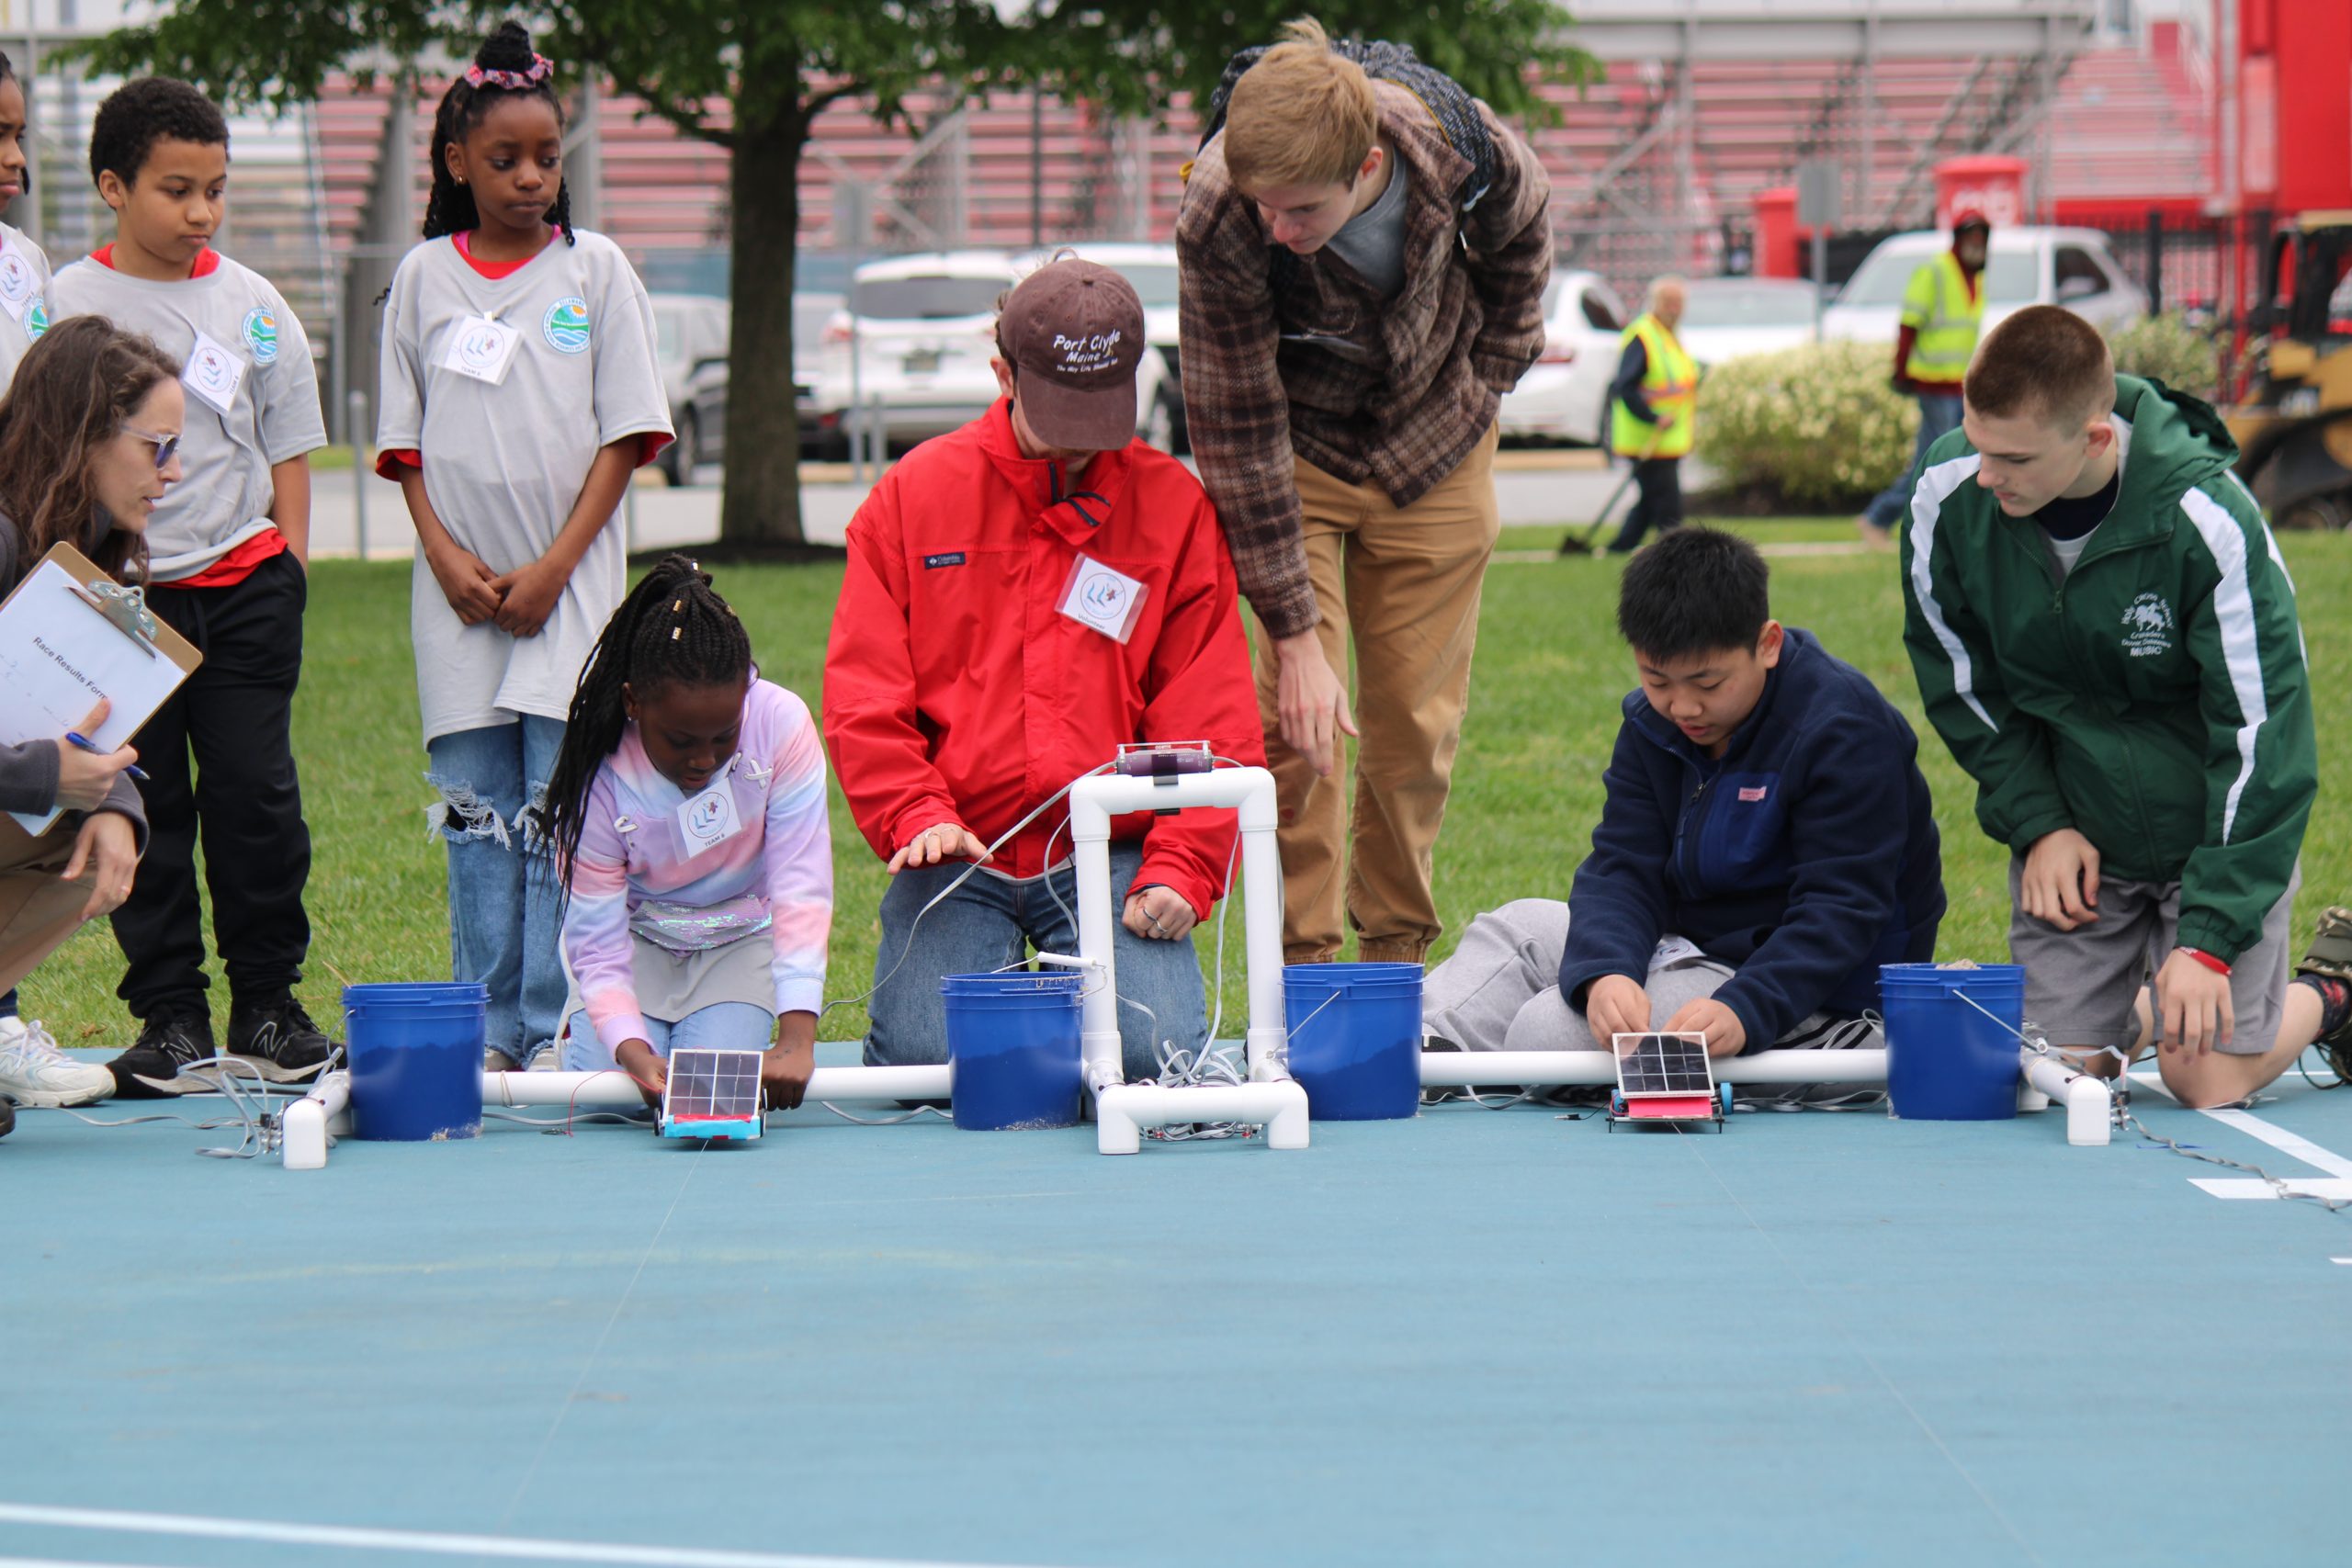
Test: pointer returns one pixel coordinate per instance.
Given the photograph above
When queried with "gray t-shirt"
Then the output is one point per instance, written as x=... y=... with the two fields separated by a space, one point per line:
x=24 y=298
x=505 y=463
x=255 y=365
x=1373 y=242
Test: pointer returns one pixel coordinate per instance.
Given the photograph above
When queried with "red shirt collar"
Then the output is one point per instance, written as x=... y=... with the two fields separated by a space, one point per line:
x=208 y=260
x=493 y=271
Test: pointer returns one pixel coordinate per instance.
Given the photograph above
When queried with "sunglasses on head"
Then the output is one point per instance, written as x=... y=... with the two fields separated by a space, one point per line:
x=166 y=446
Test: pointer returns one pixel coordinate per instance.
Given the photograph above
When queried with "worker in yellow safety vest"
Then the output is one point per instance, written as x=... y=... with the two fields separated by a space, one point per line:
x=1943 y=309
x=1653 y=408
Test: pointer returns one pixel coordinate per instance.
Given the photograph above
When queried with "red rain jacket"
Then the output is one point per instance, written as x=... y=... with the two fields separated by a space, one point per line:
x=955 y=690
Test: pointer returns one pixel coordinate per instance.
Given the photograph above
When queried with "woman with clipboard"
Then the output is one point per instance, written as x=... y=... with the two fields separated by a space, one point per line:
x=89 y=439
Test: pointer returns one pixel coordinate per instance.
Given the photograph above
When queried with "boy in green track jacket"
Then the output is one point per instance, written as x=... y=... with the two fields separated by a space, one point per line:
x=2105 y=635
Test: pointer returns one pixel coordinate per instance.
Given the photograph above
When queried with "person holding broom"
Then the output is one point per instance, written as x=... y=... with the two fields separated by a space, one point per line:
x=1652 y=405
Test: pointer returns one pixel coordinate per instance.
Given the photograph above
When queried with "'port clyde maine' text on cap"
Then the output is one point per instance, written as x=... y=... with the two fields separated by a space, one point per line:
x=1073 y=330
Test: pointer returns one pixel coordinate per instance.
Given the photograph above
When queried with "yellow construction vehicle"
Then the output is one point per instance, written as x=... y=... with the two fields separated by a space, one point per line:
x=2294 y=431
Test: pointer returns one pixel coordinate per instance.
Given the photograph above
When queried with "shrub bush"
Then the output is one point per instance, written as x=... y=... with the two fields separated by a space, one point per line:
x=2173 y=350
x=1812 y=428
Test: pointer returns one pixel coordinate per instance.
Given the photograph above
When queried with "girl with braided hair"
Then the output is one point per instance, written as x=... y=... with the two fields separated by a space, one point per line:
x=687 y=816
x=519 y=390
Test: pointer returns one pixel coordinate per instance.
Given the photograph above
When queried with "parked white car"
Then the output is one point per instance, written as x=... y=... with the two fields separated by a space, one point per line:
x=690 y=349
x=1564 y=394
x=2028 y=266
x=925 y=328
x=1726 y=318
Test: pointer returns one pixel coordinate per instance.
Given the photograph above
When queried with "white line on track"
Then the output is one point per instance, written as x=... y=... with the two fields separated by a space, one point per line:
x=427 y=1542
x=2339 y=1183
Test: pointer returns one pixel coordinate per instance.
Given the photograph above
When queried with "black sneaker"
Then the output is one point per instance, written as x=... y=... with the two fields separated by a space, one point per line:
x=167 y=1042
x=7 y=1118
x=279 y=1040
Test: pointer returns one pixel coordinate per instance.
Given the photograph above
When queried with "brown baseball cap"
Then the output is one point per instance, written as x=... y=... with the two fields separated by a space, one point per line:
x=1074 y=333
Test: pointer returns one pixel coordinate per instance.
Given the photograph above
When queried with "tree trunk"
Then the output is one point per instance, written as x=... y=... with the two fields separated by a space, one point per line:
x=760 y=509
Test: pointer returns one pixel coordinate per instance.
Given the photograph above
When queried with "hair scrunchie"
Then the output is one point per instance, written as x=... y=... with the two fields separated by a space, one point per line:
x=512 y=81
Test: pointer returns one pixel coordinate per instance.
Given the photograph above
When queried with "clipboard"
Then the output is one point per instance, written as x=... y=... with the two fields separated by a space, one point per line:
x=70 y=634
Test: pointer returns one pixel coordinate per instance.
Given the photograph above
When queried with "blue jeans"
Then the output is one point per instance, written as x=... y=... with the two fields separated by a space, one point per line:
x=505 y=908
x=722 y=1026
x=984 y=926
x=1939 y=416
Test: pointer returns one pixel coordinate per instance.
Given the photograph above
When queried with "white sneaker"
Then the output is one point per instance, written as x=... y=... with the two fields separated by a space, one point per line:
x=33 y=1071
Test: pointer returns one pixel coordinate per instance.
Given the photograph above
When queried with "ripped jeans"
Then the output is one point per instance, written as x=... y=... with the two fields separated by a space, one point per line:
x=505 y=908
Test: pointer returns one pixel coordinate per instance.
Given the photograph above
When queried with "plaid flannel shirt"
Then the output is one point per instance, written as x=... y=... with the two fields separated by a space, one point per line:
x=1416 y=386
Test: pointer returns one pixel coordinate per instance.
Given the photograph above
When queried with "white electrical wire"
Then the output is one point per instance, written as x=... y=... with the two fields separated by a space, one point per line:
x=941 y=897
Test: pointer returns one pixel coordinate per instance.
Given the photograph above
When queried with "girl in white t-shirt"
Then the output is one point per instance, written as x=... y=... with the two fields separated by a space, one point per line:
x=24 y=276
x=24 y=266
x=519 y=391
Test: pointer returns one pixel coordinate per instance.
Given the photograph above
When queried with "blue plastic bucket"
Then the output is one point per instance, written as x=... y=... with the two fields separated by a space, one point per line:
x=1946 y=1061
x=415 y=1053
x=1356 y=1039
x=1014 y=1049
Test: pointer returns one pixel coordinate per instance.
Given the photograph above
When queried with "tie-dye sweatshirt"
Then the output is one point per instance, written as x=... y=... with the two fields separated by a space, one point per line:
x=636 y=875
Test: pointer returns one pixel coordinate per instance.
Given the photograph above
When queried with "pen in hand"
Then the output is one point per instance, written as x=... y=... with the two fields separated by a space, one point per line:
x=76 y=738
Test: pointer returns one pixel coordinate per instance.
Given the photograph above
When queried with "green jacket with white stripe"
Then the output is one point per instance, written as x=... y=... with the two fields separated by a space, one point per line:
x=2155 y=700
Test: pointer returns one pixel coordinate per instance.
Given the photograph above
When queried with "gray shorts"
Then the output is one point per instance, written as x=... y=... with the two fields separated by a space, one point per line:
x=1500 y=991
x=2082 y=987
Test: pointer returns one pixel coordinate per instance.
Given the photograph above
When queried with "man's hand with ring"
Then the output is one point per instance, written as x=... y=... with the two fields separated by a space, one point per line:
x=1158 y=914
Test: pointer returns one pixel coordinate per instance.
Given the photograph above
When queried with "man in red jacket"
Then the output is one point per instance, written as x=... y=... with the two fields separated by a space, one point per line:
x=1023 y=596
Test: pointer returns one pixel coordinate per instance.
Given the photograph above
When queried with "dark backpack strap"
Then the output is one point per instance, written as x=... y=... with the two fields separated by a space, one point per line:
x=1233 y=70
x=1450 y=106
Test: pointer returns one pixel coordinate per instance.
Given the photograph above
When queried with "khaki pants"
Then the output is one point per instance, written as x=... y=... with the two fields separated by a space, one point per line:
x=38 y=909
x=1402 y=586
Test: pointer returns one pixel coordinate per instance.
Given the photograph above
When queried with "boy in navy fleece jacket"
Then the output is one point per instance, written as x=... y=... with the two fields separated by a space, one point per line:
x=1767 y=841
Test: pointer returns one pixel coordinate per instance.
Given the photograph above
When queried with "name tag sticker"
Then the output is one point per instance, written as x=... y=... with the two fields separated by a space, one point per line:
x=709 y=820
x=18 y=282
x=215 y=372
x=480 y=348
x=1103 y=598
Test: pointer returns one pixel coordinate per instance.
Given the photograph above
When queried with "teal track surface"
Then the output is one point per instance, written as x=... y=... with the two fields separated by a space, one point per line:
x=1480 y=1337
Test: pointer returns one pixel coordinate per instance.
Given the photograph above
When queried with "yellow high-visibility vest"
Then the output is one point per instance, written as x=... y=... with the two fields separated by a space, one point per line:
x=1670 y=387
x=1946 y=314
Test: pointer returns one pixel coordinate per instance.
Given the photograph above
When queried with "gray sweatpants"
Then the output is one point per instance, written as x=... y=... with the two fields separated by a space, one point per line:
x=1500 y=991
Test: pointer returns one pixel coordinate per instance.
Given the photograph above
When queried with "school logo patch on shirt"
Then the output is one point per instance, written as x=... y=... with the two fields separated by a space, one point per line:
x=565 y=326
x=37 y=318
x=261 y=334
x=952 y=558
x=2147 y=627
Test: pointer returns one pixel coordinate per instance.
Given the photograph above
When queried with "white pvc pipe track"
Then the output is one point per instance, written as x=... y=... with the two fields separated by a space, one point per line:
x=1271 y=1098
x=1473 y=1069
x=2089 y=1101
x=611 y=1087
x=326 y=1109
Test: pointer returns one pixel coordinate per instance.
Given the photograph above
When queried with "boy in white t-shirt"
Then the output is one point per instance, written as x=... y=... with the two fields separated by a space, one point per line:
x=229 y=550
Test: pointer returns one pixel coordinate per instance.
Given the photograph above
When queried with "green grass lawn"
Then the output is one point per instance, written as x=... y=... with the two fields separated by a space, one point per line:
x=1544 y=712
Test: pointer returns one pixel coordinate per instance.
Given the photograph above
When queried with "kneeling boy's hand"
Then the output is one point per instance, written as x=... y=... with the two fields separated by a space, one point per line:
x=2059 y=884
x=1614 y=1005
x=1709 y=1017
x=786 y=1067
x=640 y=1061
x=2194 y=1003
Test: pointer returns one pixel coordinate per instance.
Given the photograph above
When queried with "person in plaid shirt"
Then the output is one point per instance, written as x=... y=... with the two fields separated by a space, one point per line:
x=1341 y=400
